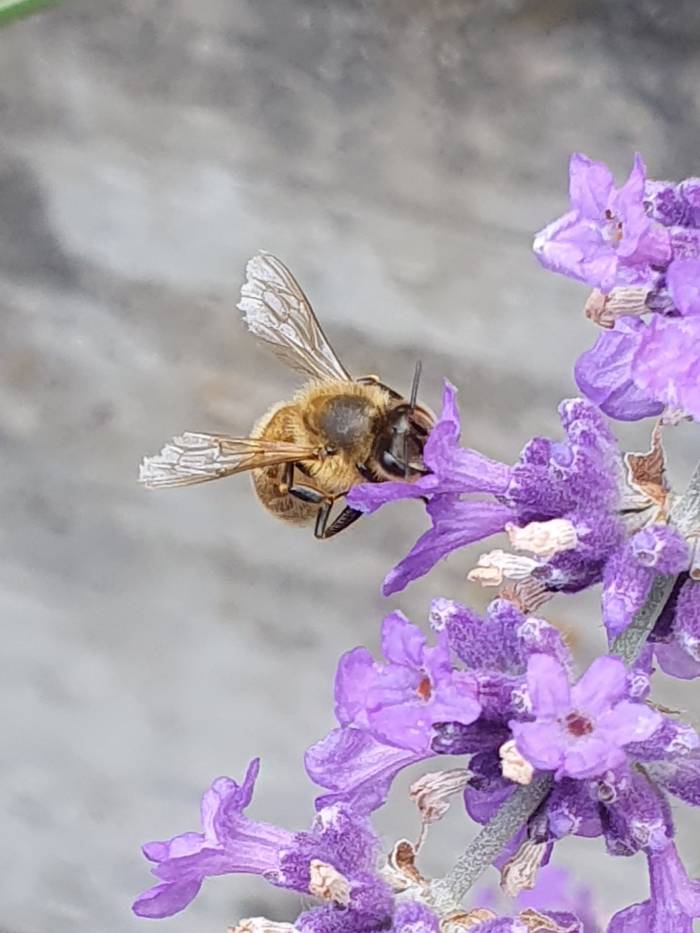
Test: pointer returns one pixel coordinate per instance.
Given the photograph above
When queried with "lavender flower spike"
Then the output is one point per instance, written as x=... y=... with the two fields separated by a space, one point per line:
x=575 y=481
x=581 y=731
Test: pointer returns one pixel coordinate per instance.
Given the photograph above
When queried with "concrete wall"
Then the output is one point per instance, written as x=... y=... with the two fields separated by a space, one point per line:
x=399 y=156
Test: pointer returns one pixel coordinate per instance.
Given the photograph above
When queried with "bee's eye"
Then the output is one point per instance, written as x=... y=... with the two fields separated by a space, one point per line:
x=401 y=425
x=391 y=464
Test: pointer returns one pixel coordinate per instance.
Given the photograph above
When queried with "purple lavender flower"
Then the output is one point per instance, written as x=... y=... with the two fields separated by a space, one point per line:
x=607 y=237
x=674 y=901
x=604 y=373
x=581 y=731
x=666 y=364
x=574 y=482
x=640 y=247
x=400 y=701
x=444 y=710
x=414 y=918
x=631 y=571
x=635 y=814
x=676 y=636
x=387 y=714
x=356 y=768
x=334 y=860
x=230 y=843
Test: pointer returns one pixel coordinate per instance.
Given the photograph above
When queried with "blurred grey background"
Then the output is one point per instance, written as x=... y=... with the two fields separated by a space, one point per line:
x=398 y=156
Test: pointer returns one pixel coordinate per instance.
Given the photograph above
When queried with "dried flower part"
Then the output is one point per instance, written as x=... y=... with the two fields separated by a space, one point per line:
x=327 y=883
x=545 y=539
x=402 y=862
x=262 y=925
x=527 y=595
x=431 y=793
x=625 y=301
x=519 y=873
x=541 y=923
x=646 y=476
x=513 y=765
x=595 y=310
x=496 y=566
x=458 y=923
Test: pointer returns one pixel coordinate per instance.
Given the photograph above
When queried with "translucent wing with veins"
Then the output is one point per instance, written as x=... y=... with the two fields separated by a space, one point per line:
x=278 y=313
x=198 y=458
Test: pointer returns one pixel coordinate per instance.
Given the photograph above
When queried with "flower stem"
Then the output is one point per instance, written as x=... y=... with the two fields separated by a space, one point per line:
x=491 y=840
x=686 y=516
x=520 y=806
x=14 y=9
x=628 y=644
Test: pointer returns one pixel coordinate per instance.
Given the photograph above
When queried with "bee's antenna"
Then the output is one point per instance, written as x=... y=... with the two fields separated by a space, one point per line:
x=416 y=381
x=412 y=403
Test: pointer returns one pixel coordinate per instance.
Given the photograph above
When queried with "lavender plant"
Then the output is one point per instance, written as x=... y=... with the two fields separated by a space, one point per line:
x=546 y=752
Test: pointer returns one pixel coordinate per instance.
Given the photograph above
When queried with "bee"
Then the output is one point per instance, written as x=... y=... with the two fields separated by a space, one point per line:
x=304 y=455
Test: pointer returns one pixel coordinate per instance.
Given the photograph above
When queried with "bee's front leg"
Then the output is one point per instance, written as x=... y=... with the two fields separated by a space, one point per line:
x=347 y=517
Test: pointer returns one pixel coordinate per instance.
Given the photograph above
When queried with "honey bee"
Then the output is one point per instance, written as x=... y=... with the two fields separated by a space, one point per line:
x=305 y=454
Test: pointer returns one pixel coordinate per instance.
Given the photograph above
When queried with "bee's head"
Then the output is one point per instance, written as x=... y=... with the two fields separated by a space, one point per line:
x=400 y=441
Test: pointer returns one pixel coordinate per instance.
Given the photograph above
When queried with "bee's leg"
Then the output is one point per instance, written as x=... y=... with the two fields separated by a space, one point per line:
x=322 y=517
x=307 y=494
x=301 y=491
x=346 y=518
x=287 y=478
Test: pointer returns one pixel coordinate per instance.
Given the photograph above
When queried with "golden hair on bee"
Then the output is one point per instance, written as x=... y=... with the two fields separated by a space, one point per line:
x=305 y=454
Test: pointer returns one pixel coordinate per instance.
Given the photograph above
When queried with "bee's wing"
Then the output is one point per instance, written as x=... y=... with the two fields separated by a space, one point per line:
x=197 y=458
x=278 y=313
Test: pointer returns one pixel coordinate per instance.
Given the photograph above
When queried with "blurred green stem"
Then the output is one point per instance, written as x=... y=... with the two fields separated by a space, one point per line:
x=11 y=10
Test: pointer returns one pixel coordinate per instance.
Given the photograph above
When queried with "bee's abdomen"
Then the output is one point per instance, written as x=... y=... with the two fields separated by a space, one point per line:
x=280 y=424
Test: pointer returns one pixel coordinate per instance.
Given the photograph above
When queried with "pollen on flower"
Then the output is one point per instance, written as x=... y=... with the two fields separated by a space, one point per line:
x=327 y=883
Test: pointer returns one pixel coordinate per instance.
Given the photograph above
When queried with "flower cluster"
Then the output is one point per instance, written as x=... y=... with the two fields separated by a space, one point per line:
x=569 y=754
x=585 y=512
x=335 y=861
x=639 y=247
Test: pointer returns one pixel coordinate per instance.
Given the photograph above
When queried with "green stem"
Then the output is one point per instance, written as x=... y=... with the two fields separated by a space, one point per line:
x=515 y=812
x=520 y=806
x=11 y=10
